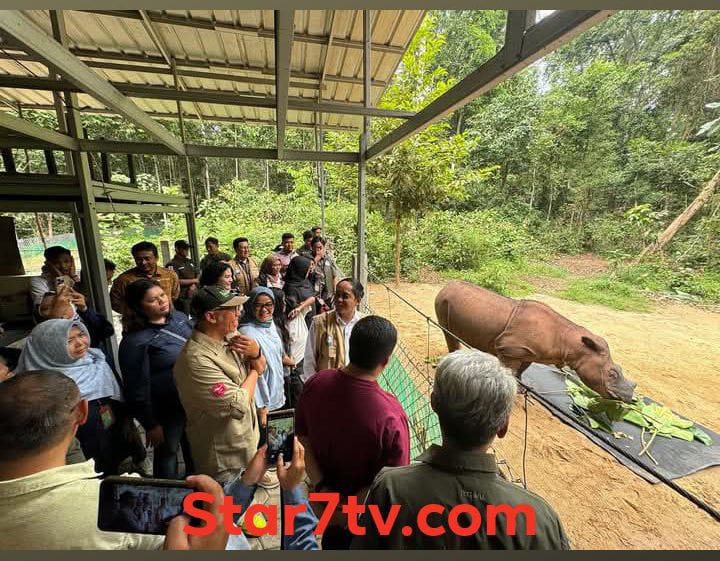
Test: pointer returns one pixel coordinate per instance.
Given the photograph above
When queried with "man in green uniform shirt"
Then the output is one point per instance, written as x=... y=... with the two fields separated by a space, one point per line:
x=473 y=396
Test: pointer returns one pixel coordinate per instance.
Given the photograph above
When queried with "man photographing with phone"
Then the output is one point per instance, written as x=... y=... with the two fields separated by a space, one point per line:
x=45 y=504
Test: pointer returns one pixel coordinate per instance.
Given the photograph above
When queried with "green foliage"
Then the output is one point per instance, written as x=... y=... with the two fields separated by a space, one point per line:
x=606 y=292
x=497 y=275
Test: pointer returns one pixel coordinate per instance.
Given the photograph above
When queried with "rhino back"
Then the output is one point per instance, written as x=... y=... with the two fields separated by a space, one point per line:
x=550 y=335
x=474 y=314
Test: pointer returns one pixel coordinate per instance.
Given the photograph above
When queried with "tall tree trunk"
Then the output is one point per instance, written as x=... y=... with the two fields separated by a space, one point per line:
x=683 y=218
x=159 y=184
x=157 y=174
x=206 y=165
x=397 y=248
x=49 y=221
x=550 y=202
x=532 y=192
x=41 y=234
x=237 y=162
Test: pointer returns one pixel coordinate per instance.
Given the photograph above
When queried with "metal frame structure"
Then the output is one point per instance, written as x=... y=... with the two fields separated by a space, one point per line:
x=71 y=73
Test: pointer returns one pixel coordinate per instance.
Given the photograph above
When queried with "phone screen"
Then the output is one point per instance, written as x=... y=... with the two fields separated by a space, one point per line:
x=142 y=506
x=280 y=435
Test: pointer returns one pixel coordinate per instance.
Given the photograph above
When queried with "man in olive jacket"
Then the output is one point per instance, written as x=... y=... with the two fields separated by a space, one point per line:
x=473 y=396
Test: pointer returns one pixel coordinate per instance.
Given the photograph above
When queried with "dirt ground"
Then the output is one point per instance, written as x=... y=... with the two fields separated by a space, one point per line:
x=670 y=354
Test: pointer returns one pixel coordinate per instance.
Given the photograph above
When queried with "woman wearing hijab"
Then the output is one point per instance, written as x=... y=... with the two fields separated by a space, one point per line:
x=257 y=322
x=270 y=276
x=299 y=291
x=63 y=345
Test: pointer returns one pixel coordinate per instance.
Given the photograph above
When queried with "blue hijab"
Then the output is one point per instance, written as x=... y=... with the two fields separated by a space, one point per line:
x=47 y=349
x=249 y=307
x=269 y=391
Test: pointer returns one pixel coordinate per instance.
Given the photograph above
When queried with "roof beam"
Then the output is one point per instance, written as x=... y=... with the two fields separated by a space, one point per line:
x=210 y=25
x=155 y=115
x=26 y=128
x=186 y=63
x=284 y=27
x=198 y=74
x=35 y=40
x=206 y=96
x=537 y=41
x=192 y=150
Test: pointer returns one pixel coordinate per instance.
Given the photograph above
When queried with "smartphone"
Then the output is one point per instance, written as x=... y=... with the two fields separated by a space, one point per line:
x=140 y=506
x=280 y=434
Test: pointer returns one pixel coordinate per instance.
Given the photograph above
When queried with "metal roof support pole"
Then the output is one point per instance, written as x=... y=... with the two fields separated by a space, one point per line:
x=362 y=273
x=189 y=217
x=94 y=264
x=284 y=26
x=320 y=171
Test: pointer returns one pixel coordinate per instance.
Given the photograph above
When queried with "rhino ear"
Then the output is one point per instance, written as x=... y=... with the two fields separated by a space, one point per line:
x=590 y=344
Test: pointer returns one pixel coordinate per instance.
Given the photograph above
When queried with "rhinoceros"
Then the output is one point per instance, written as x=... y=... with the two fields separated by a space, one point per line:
x=520 y=332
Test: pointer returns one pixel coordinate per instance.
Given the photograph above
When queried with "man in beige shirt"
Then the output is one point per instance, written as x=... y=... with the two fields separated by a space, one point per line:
x=215 y=375
x=46 y=504
x=145 y=255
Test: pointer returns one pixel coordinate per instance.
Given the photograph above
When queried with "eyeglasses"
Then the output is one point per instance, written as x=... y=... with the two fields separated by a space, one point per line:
x=234 y=309
x=267 y=306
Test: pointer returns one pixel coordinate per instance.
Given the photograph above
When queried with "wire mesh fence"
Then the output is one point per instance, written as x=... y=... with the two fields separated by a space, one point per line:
x=409 y=375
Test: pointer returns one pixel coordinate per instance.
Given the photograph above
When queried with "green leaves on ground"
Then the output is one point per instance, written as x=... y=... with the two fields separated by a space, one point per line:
x=658 y=420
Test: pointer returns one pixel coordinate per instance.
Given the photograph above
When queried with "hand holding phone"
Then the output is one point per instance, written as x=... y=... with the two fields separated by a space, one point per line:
x=291 y=476
x=139 y=505
x=279 y=435
x=177 y=539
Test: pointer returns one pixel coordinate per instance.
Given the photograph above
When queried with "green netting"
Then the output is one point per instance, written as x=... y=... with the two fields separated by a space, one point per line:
x=424 y=426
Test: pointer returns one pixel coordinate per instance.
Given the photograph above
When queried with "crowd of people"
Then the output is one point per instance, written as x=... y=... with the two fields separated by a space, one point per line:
x=207 y=352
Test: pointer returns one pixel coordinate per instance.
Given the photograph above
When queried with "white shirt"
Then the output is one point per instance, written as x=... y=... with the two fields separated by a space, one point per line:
x=39 y=287
x=309 y=367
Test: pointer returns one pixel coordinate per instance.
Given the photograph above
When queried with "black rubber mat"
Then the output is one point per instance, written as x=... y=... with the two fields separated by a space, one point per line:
x=676 y=458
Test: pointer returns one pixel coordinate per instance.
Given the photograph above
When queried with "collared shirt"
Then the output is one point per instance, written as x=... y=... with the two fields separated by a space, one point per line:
x=213 y=258
x=309 y=362
x=58 y=509
x=168 y=280
x=222 y=424
x=185 y=270
x=448 y=478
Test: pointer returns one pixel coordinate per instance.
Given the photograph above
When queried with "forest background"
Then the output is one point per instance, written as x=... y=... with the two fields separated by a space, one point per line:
x=595 y=149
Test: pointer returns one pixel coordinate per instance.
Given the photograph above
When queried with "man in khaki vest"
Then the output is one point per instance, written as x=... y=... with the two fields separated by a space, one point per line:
x=245 y=269
x=329 y=336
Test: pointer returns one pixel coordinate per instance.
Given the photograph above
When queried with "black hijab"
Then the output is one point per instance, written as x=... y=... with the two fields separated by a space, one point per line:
x=297 y=286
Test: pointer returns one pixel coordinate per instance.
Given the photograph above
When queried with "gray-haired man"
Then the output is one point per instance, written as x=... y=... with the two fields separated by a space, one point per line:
x=454 y=498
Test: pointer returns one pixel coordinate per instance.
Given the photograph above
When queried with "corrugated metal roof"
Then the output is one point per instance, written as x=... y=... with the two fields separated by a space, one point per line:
x=239 y=45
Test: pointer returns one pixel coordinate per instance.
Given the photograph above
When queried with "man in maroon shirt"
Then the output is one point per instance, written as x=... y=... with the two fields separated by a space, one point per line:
x=350 y=427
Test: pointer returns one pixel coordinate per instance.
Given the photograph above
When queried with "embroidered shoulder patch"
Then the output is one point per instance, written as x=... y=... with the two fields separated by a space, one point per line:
x=218 y=389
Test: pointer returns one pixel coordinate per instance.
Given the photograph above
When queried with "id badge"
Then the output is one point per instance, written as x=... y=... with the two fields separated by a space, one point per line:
x=331 y=347
x=106 y=416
